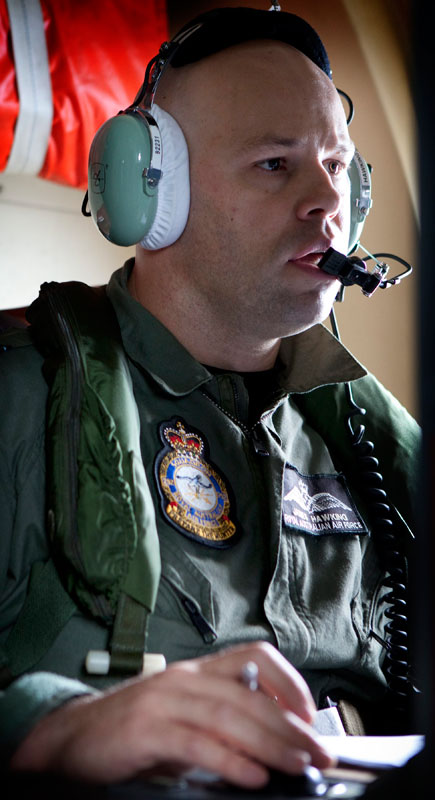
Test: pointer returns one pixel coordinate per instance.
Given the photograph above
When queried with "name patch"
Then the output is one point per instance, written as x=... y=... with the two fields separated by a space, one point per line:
x=319 y=504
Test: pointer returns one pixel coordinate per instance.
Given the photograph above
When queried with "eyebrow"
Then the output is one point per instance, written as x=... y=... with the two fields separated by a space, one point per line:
x=347 y=148
x=342 y=147
x=268 y=140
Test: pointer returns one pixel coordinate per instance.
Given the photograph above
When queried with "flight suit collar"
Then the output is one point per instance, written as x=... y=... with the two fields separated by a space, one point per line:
x=315 y=358
x=150 y=344
x=307 y=360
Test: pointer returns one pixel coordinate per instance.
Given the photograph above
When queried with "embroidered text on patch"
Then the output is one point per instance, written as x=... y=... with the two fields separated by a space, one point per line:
x=319 y=504
x=194 y=496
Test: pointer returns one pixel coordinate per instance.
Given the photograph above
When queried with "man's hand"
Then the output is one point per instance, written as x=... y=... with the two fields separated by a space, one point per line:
x=195 y=714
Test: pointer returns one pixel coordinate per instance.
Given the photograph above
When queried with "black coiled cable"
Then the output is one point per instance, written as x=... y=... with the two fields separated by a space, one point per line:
x=396 y=665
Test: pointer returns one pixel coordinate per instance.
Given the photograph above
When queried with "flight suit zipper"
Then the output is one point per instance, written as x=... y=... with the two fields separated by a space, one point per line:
x=71 y=416
x=250 y=433
x=203 y=627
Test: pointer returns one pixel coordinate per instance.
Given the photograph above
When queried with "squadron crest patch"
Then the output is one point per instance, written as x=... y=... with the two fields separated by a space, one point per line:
x=194 y=496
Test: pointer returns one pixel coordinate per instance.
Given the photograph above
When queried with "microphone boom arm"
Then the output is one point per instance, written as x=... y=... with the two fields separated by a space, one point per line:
x=351 y=270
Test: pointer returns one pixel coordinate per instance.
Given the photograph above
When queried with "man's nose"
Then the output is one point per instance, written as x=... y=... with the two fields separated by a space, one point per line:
x=319 y=195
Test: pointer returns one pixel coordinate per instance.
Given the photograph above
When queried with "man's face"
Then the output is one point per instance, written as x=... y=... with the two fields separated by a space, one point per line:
x=269 y=151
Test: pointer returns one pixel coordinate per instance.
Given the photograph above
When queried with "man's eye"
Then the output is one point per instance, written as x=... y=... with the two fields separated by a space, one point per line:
x=272 y=164
x=335 y=167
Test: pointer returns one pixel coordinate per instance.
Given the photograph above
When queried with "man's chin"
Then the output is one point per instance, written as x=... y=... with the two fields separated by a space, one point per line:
x=306 y=315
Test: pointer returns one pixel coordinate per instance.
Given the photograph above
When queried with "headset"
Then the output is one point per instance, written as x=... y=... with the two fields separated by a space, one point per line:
x=138 y=171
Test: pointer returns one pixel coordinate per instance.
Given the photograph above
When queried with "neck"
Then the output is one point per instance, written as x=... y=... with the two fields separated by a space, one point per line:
x=198 y=326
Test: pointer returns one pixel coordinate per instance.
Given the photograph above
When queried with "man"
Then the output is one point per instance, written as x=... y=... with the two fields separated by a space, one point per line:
x=221 y=336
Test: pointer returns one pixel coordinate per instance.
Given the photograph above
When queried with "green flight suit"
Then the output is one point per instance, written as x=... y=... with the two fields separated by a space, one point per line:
x=309 y=584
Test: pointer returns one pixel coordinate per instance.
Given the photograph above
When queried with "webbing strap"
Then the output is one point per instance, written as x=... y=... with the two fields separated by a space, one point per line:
x=127 y=646
x=45 y=612
x=33 y=126
x=351 y=718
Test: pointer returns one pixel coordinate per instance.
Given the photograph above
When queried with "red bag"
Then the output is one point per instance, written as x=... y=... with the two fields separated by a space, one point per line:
x=97 y=54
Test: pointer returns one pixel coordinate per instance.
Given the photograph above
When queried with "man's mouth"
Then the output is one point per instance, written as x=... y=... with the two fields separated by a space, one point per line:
x=311 y=258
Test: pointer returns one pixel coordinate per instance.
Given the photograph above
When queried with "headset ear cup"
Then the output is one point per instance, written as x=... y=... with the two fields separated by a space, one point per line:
x=173 y=200
x=122 y=200
x=360 y=198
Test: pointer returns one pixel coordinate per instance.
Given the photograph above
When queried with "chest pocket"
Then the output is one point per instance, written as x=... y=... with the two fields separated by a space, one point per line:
x=330 y=568
x=182 y=625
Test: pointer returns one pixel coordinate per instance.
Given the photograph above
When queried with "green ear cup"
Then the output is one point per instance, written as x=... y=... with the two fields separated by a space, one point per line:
x=122 y=197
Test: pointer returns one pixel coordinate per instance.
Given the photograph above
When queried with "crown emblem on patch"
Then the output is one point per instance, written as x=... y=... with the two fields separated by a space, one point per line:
x=194 y=496
x=180 y=440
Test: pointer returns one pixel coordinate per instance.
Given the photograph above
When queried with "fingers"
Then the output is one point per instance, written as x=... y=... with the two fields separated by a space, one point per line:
x=248 y=721
x=264 y=733
x=277 y=677
x=189 y=747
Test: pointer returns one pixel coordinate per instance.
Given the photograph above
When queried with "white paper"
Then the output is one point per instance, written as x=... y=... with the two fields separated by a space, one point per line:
x=327 y=722
x=376 y=752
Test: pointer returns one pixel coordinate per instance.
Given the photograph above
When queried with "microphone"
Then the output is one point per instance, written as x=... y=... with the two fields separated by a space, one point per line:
x=351 y=270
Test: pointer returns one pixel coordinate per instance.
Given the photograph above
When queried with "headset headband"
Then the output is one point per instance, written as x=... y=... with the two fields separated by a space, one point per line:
x=220 y=28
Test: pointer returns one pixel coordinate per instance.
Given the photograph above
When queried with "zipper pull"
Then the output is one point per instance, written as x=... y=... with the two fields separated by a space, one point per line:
x=258 y=444
x=207 y=632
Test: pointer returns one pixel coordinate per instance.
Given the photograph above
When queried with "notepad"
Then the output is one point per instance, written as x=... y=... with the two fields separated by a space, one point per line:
x=373 y=752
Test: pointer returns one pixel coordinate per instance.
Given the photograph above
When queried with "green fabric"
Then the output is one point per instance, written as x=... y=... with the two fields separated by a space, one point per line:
x=47 y=604
x=101 y=516
x=29 y=699
x=395 y=434
x=129 y=637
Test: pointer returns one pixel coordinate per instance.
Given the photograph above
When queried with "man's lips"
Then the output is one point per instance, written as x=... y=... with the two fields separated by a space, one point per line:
x=312 y=251
x=309 y=263
x=311 y=259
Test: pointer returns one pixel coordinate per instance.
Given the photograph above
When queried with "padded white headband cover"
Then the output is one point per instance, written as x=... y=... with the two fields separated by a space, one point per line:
x=174 y=187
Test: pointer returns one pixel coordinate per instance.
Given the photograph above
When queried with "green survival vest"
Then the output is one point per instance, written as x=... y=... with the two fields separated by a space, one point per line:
x=101 y=520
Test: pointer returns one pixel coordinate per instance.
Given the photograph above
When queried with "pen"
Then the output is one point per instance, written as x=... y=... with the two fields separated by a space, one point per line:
x=249 y=675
